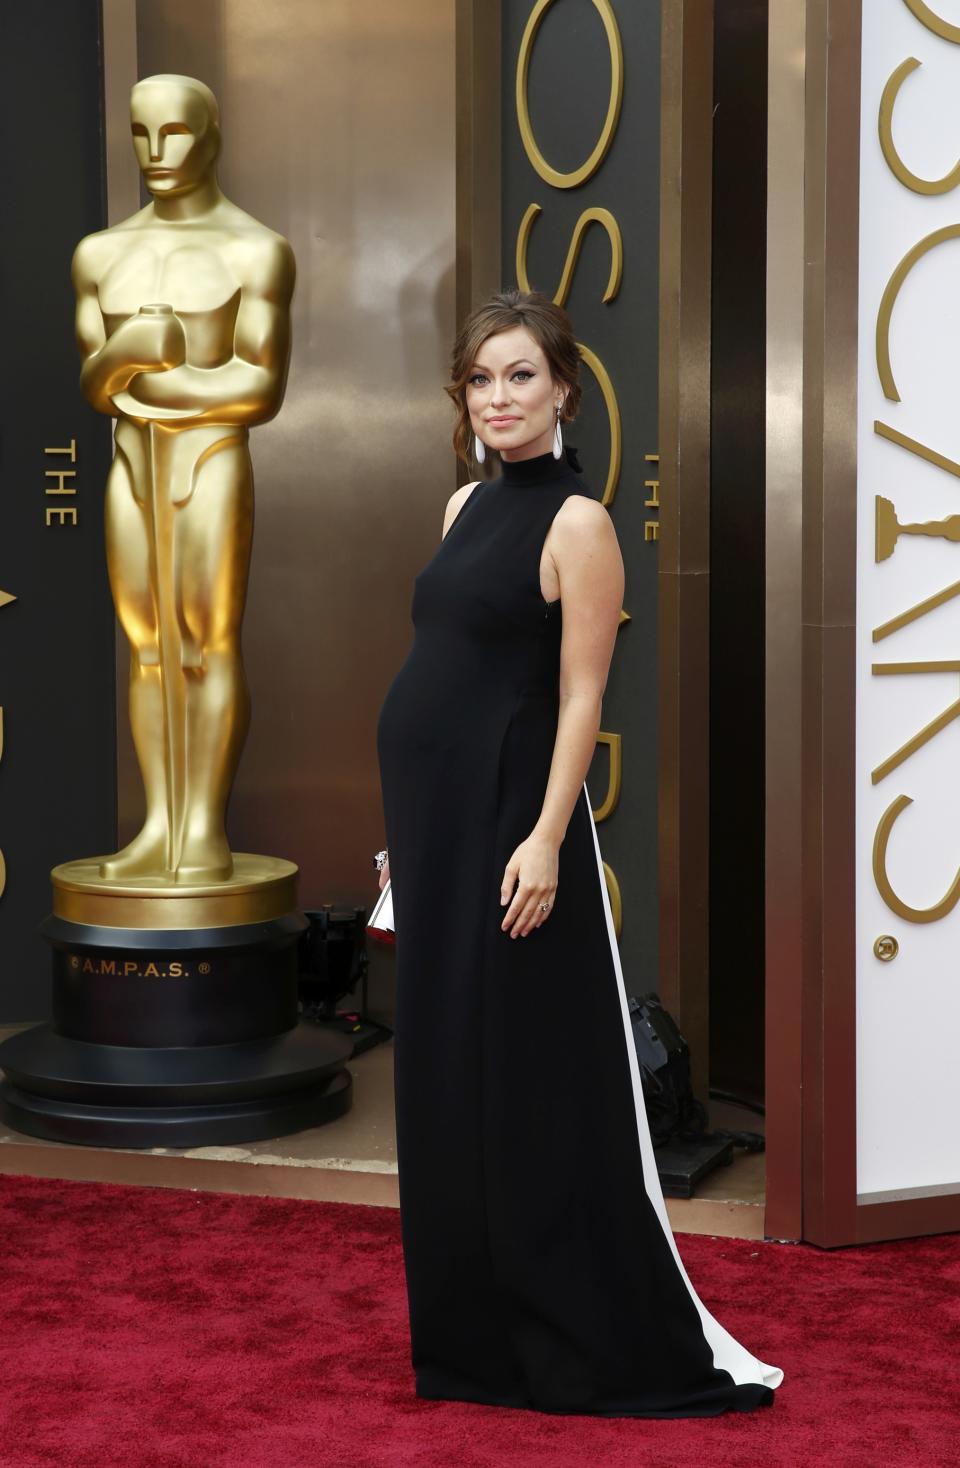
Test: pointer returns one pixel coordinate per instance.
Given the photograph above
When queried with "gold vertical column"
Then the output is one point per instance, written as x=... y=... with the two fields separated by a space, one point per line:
x=684 y=540
x=784 y=626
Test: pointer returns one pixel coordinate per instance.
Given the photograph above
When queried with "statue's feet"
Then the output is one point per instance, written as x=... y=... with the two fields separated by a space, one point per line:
x=145 y=856
x=205 y=858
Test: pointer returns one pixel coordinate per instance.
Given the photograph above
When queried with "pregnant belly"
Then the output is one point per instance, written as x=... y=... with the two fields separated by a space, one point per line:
x=454 y=718
x=432 y=710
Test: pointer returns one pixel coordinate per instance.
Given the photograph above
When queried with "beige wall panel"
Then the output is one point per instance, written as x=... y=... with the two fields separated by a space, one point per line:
x=339 y=131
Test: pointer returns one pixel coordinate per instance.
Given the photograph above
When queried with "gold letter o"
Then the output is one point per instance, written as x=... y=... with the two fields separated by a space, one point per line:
x=581 y=174
x=613 y=415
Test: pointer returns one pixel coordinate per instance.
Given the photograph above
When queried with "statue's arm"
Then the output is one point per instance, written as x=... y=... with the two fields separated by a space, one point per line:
x=109 y=364
x=248 y=388
x=95 y=370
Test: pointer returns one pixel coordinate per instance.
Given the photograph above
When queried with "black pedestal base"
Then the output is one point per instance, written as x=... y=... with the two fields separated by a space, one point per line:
x=217 y=1095
x=180 y=1038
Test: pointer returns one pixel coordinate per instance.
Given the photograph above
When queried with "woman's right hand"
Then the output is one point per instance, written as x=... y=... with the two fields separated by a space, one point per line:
x=385 y=874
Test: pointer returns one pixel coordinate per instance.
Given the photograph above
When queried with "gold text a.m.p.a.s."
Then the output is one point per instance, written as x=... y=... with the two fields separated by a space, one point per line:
x=129 y=968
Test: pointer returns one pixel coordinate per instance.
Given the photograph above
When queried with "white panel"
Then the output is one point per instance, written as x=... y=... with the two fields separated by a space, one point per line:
x=908 y=1010
x=728 y=1353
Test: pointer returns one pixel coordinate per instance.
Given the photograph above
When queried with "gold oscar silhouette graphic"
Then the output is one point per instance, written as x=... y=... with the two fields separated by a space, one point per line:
x=888 y=528
x=175 y=992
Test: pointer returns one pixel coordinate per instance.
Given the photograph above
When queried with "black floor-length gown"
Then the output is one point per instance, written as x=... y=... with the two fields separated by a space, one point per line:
x=541 y=1268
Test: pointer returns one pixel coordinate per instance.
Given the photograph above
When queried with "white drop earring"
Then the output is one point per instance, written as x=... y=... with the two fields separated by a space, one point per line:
x=479 y=448
x=557 y=439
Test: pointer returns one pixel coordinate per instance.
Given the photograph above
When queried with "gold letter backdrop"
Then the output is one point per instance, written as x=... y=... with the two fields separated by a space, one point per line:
x=887 y=526
x=57 y=687
x=580 y=195
x=907 y=693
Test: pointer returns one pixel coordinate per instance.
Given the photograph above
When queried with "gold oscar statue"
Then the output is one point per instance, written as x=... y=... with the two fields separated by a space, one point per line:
x=175 y=997
x=183 y=325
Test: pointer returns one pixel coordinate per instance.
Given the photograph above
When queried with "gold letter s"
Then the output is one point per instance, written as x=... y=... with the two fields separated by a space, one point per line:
x=895 y=903
x=589 y=216
x=932 y=21
x=894 y=162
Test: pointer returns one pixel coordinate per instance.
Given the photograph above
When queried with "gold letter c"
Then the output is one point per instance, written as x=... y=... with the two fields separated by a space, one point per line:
x=889 y=298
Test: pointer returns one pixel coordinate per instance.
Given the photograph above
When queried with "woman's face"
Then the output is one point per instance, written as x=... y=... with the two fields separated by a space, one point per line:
x=511 y=397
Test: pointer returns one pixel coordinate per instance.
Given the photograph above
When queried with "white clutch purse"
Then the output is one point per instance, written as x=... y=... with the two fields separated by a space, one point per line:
x=380 y=924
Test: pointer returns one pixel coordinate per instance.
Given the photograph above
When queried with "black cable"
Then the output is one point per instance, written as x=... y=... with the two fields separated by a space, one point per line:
x=749 y=1141
x=717 y=1095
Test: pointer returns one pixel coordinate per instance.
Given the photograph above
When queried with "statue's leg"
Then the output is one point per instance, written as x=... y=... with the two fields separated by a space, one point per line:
x=213 y=535
x=128 y=564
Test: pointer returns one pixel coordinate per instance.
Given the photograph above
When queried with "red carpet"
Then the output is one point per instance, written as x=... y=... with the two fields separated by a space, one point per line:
x=153 y=1328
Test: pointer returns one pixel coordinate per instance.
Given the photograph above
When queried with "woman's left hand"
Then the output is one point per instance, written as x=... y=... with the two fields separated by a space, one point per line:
x=532 y=870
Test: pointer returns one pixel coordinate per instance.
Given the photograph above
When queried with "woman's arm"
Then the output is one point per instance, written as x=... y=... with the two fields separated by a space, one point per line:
x=584 y=547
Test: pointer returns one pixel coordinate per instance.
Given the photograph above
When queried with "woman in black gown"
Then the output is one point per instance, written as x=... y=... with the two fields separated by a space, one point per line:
x=541 y=1268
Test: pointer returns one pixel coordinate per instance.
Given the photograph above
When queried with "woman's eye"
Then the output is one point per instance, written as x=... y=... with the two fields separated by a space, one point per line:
x=476 y=378
x=523 y=373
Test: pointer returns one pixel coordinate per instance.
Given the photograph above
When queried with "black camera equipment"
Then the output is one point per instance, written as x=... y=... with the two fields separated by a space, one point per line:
x=332 y=961
x=664 y=1056
x=685 y=1151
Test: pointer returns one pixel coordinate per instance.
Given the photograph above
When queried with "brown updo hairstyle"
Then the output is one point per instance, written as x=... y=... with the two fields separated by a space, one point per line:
x=547 y=323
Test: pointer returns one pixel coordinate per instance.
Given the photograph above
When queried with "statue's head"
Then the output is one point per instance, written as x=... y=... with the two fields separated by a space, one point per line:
x=176 y=132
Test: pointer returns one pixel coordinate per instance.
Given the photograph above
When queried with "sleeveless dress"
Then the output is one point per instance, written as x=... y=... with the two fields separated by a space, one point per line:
x=540 y=1264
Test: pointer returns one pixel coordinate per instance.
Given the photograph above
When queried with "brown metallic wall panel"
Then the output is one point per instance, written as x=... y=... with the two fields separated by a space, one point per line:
x=683 y=636
x=478 y=44
x=828 y=693
x=339 y=131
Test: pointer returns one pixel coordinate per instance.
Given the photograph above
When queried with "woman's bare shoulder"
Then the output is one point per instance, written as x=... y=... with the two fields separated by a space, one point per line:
x=455 y=503
x=581 y=510
x=583 y=541
x=580 y=522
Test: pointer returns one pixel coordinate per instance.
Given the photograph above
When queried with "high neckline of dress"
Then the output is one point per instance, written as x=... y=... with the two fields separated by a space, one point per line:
x=542 y=469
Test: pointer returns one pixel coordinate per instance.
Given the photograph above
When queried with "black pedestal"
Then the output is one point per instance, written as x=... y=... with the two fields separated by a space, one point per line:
x=173 y=1038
